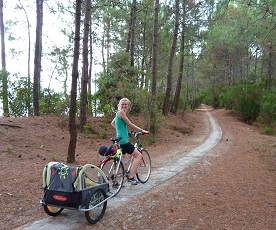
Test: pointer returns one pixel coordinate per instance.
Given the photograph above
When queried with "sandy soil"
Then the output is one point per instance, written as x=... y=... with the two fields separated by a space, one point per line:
x=232 y=187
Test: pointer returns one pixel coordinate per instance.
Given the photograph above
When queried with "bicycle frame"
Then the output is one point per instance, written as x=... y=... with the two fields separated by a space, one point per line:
x=117 y=156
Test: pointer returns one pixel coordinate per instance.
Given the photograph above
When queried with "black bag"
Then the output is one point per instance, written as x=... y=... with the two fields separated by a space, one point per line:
x=111 y=150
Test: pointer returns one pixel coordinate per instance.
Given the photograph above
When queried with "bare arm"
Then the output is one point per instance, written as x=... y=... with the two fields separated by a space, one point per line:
x=113 y=123
x=123 y=115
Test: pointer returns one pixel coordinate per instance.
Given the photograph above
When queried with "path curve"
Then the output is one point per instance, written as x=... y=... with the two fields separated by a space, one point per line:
x=71 y=219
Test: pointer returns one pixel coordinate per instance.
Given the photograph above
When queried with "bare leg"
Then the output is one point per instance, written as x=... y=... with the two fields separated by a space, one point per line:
x=137 y=158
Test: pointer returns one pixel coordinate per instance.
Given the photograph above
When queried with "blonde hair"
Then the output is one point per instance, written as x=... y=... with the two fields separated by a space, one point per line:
x=128 y=101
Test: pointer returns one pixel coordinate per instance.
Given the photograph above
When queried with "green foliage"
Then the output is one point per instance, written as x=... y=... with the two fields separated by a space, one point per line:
x=53 y=103
x=104 y=134
x=86 y=129
x=148 y=141
x=4 y=76
x=269 y=104
x=19 y=94
x=238 y=46
x=8 y=150
x=118 y=82
x=213 y=95
x=2 y=73
x=268 y=112
x=246 y=99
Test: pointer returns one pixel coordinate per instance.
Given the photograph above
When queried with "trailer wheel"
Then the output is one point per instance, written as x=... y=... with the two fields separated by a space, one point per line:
x=92 y=202
x=52 y=210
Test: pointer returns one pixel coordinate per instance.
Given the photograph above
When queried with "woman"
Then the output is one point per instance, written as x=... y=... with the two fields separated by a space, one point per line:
x=121 y=123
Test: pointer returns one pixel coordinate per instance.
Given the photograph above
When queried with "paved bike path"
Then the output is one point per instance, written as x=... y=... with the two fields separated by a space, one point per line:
x=71 y=219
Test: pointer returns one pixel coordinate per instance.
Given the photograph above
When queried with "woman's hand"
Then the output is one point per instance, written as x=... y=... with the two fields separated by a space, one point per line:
x=145 y=131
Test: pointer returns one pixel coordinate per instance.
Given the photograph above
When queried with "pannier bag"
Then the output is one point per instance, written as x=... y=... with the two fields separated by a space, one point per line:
x=111 y=150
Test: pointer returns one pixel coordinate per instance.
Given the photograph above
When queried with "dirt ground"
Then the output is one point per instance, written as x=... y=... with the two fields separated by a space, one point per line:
x=231 y=187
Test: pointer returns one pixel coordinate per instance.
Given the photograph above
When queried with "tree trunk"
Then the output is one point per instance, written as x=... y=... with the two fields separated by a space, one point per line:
x=270 y=66
x=129 y=32
x=108 y=39
x=166 y=104
x=255 y=64
x=154 y=68
x=4 y=72
x=28 y=99
x=193 y=102
x=73 y=110
x=133 y=20
x=143 y=83
x=104 y=62
x=186 y=97
x=181 y=65
x=89 y=84
x=106 y=43
x=37 y=58
x=84 y=79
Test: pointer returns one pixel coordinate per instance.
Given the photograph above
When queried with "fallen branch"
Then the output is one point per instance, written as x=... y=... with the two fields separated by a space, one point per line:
x=13 y=126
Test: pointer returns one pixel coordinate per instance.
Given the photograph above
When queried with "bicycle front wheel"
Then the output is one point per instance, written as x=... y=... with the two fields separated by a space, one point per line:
x=144 y=168
x=114 y=171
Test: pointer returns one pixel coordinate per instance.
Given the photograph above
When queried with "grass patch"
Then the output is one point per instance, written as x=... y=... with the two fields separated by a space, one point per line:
x=8 y=150
x=183 y=130
x=54 y=158
x=104 y=134
x=148 y=141
x=267 y=152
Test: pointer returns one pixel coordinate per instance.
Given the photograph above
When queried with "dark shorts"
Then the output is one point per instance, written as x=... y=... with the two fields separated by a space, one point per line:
x=127 y=148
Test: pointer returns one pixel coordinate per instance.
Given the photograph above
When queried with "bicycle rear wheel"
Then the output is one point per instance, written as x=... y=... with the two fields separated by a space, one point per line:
x=114 y=171
x=144 y=168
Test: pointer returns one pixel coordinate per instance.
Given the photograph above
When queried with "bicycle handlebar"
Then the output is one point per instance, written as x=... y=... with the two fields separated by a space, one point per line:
x=136 y=134
x=133 y=133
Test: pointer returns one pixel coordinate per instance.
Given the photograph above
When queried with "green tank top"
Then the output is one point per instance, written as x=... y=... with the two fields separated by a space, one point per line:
x=121 y=129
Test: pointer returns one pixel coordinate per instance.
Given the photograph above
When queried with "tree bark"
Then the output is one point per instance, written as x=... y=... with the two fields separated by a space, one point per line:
x=73 y=110
x=84 y=79
x=37 y=58
x=270 y=66
x=28 y=100
x=193 y=102
x=4 y=72
x=181 y=64
x=89 y=83
x=132 y=30
x=154 y=68
x=186 y=98
x=129 y=32
x=166 y=104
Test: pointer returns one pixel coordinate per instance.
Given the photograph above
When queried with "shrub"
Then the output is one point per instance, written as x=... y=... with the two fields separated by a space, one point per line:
x=213 y=95
x=268 y=111
x=246 y=99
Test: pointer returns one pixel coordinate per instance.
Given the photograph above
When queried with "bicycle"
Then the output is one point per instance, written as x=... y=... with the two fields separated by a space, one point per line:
x=114 y=165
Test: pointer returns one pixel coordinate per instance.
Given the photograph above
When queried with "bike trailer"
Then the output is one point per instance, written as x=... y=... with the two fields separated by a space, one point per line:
x=82 y=188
